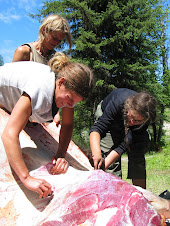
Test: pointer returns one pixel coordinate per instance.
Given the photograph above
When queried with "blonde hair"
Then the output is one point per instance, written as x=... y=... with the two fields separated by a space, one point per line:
x=52 y=23
x=78 y=77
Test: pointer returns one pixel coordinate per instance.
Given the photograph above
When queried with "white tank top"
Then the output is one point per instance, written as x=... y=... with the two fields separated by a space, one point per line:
x=35 y=79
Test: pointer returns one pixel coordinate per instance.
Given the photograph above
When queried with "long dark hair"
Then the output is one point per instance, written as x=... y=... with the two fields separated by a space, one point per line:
x=145 y=104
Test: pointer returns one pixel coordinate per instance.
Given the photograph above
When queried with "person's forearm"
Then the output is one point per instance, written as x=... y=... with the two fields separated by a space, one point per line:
x=98 y=161
x=57 y=118
x=13 y=151
x=95 y=143
x=112 y=157
x=64 y=140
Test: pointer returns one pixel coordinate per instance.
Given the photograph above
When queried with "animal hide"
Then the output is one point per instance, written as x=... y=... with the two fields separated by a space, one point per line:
x=81 y=196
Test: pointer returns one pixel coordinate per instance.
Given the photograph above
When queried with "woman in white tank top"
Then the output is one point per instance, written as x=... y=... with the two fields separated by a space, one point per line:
x=27 y=89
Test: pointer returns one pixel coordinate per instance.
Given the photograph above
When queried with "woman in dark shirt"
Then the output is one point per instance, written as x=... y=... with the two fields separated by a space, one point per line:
x=121 y=126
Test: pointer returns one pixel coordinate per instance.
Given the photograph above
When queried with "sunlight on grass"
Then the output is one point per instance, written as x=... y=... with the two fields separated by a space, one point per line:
x=158 y=171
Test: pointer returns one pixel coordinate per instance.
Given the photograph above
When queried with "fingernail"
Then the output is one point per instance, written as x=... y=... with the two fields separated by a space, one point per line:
x=51 y=194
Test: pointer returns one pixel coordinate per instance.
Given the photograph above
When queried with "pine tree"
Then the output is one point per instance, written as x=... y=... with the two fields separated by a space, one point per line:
x=120 y=40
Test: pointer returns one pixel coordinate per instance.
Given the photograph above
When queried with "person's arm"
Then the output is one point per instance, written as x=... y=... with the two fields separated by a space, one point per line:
x=112 y=157
x=10 y=138
x=57 y=119
x=98 y=161
x=60 y=164
x=22 y=53
x=96 y=152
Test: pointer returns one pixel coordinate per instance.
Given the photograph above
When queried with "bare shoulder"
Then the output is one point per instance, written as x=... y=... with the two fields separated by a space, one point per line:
x=22 y=53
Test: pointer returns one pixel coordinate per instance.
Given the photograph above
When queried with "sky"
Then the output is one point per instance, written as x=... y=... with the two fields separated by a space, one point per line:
x=17 y=27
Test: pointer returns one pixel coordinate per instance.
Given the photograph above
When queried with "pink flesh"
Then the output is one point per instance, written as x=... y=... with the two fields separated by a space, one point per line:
x=80 y=196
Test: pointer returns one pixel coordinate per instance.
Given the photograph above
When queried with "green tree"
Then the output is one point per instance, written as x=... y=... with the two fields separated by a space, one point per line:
x=164 y=91
x=120 y=40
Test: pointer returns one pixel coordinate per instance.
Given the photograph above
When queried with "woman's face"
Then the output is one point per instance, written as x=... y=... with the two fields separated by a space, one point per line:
x=134 y=118
x=65 y=97
x=53 y=39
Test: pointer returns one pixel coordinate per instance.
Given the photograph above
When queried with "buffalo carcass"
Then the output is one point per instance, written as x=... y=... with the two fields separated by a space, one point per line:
x=82 y=196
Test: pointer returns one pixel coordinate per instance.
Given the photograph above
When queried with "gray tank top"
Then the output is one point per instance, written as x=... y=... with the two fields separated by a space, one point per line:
x=36 y=57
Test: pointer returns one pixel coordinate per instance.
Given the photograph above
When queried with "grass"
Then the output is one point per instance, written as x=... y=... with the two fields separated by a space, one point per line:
x=157 y=168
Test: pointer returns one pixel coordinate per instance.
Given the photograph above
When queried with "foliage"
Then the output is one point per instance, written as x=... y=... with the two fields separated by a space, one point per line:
x=122 y=41
x=81 y=125
x=167 y=114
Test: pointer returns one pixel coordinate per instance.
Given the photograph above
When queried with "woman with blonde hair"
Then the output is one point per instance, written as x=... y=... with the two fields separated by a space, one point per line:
x=32 y=91
x=52 y=32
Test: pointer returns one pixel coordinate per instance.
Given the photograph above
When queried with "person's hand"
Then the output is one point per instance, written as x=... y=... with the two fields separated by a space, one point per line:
x=38 y=185
x=60 y=165
x=57 y=119
x=97 y=162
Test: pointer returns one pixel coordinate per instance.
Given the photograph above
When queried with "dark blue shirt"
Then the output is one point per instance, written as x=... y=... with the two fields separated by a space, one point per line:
x=112 y=121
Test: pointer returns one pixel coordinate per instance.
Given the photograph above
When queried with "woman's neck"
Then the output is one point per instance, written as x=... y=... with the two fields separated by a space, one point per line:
x=41 y=49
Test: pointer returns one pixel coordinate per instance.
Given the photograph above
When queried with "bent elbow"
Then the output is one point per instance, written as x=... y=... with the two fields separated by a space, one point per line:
x=4 y=137
x=7 y=136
